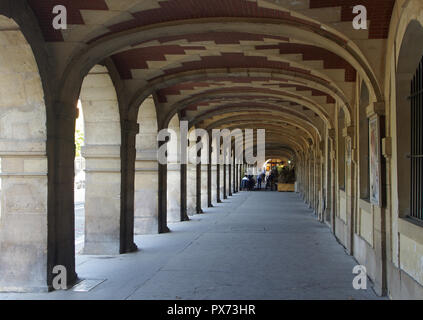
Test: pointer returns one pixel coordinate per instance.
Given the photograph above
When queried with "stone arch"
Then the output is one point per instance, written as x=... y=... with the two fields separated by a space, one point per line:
x=410 y=55
x=24 y=166
x=147 y=171
x=102 y=156
x=305 y=32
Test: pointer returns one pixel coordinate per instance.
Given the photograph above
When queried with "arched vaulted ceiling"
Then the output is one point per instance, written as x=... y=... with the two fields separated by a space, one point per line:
x=281 y=65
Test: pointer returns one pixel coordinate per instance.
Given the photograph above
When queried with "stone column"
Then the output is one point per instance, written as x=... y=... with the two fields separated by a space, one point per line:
x=173 y=185
x=173 y=182
x=204 y=156
x=198 y=208
x=162 y=196
x=225 y=182
x=23 y=224
x=183 y=192
x=240 y=175
x=129 y=131
x=147 y=171
x=209 y=186
x=348 y=134
x=146 y=192
x=234 y=175
x=191 y=189
x=230 y=180
x=214 y=173
x=222 y=182
x=238 y=178
x=204 y=186
x=209 y=177
x=311 y=180
x=333 y=160
x=377 y=109
x=174 y=192
x=102 y=199
x=214 y=184
x=61 y=208
x=218 y=183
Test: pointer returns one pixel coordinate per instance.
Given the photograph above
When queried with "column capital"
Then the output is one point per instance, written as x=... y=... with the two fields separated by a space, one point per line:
x=387 y=147
x=354 y=156
x=321 y=146
x=130 y=127
x=65 y=111
x=375 y=108
x=348 y=132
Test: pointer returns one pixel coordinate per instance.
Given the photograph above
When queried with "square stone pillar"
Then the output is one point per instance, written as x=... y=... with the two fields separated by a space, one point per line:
x=204 y=186
x=225 y=181
x=348 y=134
x=214 y=183
x=183 y=192
x=173 y=192
x=222 y=182
x=191 y=189
x=23 y=216
x=240 y=176
x=146 y=193
x=381 y=211
x=102 y=199
x=230 y=180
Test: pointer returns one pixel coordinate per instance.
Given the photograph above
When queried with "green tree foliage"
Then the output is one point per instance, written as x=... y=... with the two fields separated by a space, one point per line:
x=79 y=141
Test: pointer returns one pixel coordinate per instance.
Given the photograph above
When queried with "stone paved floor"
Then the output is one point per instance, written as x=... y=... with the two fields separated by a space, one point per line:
x=256 y=245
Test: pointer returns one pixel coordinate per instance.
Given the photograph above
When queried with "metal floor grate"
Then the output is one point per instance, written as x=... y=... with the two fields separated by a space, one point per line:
x=87 y=285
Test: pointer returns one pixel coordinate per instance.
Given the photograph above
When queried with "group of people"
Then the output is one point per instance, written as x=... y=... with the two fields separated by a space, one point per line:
x=250 y=183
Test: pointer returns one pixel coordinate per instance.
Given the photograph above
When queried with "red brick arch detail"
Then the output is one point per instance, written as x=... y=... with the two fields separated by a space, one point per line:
x=176 y=89
x=330 y=59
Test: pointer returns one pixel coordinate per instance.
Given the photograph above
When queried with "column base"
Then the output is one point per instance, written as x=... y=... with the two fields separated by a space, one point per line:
x=41 y=288
x=146 y=225
x=174 y=216
x=164 y=230
x=101 y=248
x=132 y=248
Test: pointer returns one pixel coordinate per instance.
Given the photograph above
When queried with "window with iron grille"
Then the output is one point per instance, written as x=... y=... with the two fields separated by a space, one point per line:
x=416 y=156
